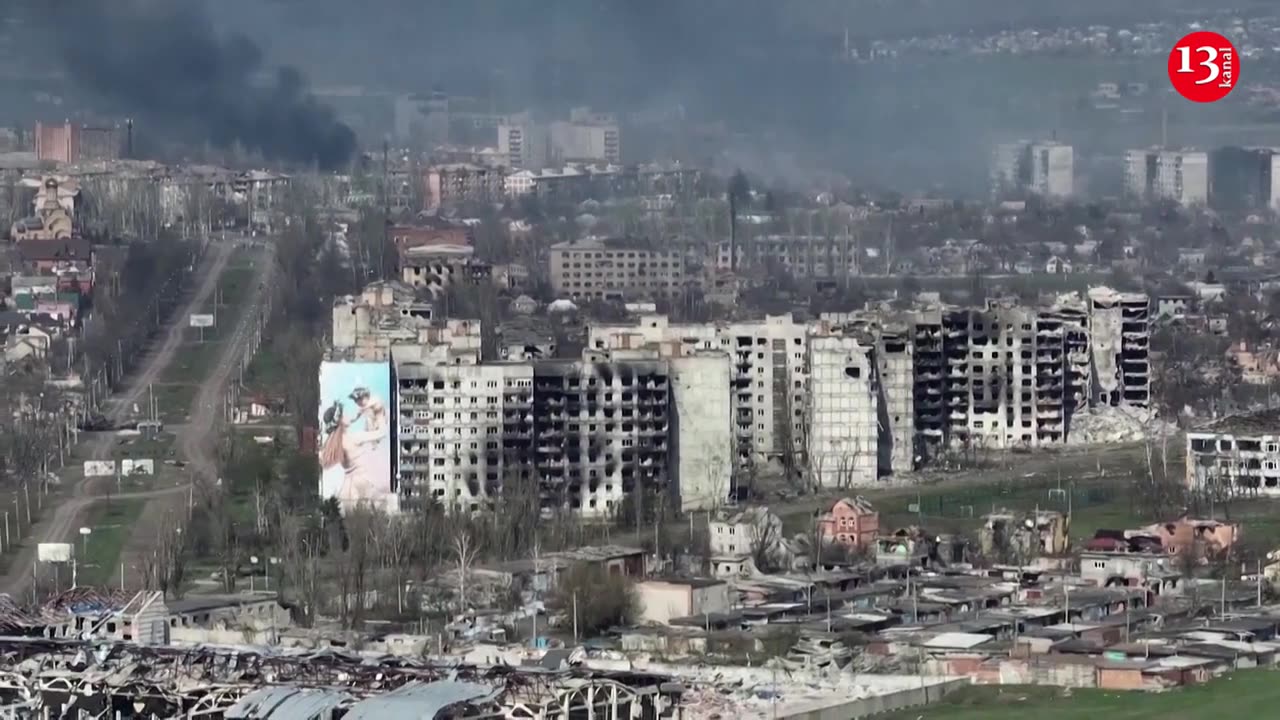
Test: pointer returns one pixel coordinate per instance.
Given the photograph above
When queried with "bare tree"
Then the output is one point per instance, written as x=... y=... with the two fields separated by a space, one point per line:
x=765 y=540
x=464 y=553
x=395 y=541
x=165 y=568
x=300 y=549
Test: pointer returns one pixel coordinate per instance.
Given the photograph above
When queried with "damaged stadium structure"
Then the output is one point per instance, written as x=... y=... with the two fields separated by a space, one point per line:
x=75 y=679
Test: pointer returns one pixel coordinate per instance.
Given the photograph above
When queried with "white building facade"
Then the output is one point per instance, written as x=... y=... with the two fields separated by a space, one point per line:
x=1181 y=176
x=843 y=437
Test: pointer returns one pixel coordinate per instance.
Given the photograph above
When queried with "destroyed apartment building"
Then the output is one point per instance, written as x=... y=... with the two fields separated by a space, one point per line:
x=590 y=433
x=1237 y=454
x=1010 y=376
x=587 y=432
x=683 y=408
x=913 y=384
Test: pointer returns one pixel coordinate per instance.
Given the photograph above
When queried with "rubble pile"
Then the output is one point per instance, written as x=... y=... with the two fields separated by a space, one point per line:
x=774 y=690
x=1107 y=425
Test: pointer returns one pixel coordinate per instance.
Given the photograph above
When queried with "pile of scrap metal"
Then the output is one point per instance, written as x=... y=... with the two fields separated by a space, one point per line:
x=51 y=619
x=56 y=677
x=14 y=620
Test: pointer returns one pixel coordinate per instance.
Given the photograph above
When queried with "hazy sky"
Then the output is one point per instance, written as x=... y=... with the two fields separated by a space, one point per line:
x=765 y=68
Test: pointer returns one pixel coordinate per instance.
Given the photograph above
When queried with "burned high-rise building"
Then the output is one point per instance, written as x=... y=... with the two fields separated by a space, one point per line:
x=586 y=434
x=768 y=376
x=1001 y=376
x=1119 y=340
x=601 y=433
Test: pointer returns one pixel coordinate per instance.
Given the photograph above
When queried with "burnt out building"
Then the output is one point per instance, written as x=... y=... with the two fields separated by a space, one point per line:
x=465 y=432
x=1003 y=376
x=601 y=432
x=582 y=434
x=1119 y=332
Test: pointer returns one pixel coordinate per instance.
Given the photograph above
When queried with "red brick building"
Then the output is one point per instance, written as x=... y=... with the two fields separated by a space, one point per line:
x=851 y=522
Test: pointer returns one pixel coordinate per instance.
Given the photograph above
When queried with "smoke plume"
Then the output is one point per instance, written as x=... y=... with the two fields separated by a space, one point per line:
x=163 y=60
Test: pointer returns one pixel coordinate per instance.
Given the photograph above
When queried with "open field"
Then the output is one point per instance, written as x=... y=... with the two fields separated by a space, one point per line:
x=201 y=349
x=266 y=371
x=111 y=522
x=1092 y=483
x=1245 y=694
x=174 y=400
x=1095 y=485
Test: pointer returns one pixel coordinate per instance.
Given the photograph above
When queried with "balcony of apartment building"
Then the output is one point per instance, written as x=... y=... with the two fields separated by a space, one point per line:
x=517 y=431
x=1137 y=396
x=928 y=409
x=957 y=370
x=1134 y=364
x=654 y=430
x=410 y=400
x=517 y=415
x=1049 y=374
x=411 y=465
x=653 y=413
x=928 y=350
x=552 y=465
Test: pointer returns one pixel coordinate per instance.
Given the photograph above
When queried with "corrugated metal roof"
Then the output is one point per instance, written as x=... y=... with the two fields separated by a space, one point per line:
x=419 y=701
x=286 y=703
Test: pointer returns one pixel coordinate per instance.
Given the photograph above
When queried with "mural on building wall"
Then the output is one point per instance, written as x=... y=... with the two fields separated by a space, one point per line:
x=355 y=435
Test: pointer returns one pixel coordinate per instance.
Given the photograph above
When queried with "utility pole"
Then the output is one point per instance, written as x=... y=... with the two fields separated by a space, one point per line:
x=1226 y=565
x=536 y=570
x=1257 y=576
x=915 y=600
x=575 y=617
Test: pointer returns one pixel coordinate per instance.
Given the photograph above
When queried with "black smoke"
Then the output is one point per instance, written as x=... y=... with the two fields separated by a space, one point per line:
x=163 y=60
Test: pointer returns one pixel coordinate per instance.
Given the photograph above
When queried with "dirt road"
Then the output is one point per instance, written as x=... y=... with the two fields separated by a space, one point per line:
x=197 y=439
x=59 y=526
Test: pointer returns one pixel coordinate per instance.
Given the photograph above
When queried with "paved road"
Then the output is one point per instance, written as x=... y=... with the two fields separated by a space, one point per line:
x=65 y=519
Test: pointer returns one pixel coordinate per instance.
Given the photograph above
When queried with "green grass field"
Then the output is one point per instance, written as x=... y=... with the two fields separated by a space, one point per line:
x=194 y=360
x=175 y=401
x=1245 y=694
x=112 y=521
x=1096 y=486
x=267 y=371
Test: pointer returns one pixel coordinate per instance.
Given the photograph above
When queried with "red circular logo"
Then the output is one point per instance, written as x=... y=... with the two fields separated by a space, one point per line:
x=1204 y=67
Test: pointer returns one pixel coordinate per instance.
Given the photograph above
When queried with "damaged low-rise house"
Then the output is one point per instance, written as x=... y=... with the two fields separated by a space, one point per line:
x=852 y=523
x=1022 y=537
x=907 y=547
x=1200 y=538
x=1236 y=454
x=746 y=532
